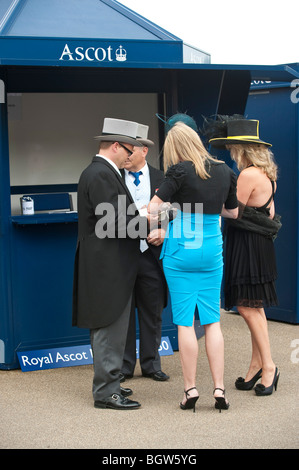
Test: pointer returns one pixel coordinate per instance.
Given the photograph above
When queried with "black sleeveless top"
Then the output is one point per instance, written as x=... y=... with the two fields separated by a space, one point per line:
x=182 y=185
x=265 y=209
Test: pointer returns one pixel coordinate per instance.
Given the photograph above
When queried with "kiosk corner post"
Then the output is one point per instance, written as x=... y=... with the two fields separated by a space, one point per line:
x=8 y=357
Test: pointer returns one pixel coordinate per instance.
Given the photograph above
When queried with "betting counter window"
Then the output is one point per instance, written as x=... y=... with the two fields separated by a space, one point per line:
x=51 y=136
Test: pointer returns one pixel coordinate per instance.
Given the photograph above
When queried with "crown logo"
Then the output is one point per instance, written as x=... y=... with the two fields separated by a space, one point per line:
x=121 y=54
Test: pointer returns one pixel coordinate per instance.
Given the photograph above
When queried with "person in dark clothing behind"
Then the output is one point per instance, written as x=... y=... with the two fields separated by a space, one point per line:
x=150 y=291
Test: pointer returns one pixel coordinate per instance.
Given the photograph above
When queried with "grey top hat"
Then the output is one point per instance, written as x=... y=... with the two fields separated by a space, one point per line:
x=119 y=130
x=142 y=136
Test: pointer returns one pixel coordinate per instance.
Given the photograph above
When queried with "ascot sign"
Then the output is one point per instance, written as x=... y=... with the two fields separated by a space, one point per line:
x=91 y=54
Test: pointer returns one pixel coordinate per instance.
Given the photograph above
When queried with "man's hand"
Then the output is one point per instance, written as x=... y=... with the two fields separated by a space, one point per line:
x=156 y=236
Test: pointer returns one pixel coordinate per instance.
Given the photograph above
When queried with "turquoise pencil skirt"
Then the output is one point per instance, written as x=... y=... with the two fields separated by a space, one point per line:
x=193 y=266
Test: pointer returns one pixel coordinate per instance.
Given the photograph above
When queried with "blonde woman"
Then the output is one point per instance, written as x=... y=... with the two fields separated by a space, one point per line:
x=202 y=188
x=250 y=265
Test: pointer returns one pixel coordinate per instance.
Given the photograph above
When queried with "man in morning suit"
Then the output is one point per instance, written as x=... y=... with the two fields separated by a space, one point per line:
x=150 y=290
x=106 y=263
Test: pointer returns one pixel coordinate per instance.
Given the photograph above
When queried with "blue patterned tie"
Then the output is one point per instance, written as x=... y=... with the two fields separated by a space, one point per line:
x=136 y=176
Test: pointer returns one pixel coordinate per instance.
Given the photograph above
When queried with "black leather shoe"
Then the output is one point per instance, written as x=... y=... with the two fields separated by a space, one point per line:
x=126 y=392
x=159 y=376
x=117 y=402
x=123 y=377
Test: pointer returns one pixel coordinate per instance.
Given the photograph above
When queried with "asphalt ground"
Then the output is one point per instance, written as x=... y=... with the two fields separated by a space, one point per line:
x=53 y=409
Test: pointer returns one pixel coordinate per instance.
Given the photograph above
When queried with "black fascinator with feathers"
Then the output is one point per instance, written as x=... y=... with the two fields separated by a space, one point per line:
x=216 y=126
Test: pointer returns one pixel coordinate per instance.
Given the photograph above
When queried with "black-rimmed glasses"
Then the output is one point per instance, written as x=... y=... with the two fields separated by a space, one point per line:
x=130 y=152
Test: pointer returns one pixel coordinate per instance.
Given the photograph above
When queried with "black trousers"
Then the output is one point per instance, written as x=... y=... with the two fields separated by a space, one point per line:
x=148 y=299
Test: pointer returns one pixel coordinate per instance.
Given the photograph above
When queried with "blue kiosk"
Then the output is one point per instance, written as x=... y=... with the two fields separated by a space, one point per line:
x=64 y=66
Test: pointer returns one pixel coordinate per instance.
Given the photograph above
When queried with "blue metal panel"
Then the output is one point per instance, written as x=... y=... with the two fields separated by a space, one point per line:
x=9 y=14
x=45 y=218
x=79 y=19
x=83 y=33
x=5 y=6
x=42 y=275
x=278 y=117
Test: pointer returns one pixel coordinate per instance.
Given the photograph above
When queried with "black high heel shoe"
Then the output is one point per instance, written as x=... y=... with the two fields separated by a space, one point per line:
x=240 y=383
x=190 y=402
x=261 y=390
x=221 y=403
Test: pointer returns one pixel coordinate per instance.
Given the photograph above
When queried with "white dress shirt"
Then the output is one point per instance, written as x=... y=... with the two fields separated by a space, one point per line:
x=141 y=194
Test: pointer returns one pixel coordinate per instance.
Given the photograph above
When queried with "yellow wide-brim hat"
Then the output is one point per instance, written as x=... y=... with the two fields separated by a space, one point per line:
x=240 y=131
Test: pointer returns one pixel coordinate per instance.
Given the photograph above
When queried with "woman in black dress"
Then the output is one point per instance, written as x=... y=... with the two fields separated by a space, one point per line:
x=250 y=266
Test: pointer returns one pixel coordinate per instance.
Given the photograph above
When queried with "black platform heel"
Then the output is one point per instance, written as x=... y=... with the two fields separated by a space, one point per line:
x=240 y=383
x=261 y=390
x=221 y=403
x=190 y=402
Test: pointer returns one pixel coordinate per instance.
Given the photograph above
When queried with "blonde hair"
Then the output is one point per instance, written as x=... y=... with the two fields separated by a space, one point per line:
x=257 y=155
x=183 y=144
